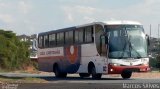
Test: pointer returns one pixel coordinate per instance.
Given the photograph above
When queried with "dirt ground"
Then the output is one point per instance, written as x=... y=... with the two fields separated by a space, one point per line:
x=148 y=75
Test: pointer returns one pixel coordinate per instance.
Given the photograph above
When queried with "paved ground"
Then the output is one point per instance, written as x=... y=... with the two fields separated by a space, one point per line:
x=149 y=75
x=73 y=81
x=121 y=85
x=88 y=83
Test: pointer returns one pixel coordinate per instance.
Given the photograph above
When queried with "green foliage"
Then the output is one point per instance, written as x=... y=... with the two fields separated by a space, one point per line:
x=153 y=62
x=13 y=53
x=158 y=61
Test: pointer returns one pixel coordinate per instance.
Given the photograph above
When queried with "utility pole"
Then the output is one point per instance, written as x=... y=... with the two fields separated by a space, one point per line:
x=158 y=31
x=150 y=31
x=158 y=45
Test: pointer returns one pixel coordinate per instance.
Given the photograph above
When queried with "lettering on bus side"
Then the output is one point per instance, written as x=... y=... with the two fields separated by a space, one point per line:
x=53 y=52
x=50 y=52
x=42 y=53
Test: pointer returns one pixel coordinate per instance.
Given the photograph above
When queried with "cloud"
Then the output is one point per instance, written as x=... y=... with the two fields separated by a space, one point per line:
x=89 y=19
x=84 y=9
x=3 y=5
x=79 y=13
x=62 y=13
x=24 y=7
x=70 y=17
x=6 y=18
x=68 y=13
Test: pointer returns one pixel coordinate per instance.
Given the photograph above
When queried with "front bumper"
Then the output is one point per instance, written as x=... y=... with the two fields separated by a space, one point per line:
x=118 y=69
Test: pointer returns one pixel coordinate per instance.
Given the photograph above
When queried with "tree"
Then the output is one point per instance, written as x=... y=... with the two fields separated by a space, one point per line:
x=13 y=53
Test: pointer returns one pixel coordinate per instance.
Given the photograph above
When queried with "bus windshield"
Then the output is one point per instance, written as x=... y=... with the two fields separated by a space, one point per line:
x=126 y=41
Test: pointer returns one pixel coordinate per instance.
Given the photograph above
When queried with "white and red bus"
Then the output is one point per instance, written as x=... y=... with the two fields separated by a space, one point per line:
x=113 y=47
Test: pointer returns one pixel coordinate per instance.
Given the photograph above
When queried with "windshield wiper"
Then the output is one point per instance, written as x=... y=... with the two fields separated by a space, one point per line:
x=132 y=48
x=124 y=47
x=128 y=42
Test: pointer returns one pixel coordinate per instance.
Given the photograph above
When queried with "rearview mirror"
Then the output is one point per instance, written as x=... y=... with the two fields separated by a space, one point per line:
x=148 y=40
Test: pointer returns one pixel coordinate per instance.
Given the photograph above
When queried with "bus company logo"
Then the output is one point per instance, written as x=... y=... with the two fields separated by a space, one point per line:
x=72 y=54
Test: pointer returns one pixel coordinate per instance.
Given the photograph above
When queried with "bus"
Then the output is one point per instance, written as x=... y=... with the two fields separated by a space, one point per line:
x=94 y=49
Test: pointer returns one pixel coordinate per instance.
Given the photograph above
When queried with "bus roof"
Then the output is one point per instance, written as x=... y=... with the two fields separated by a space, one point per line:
x=123 y=22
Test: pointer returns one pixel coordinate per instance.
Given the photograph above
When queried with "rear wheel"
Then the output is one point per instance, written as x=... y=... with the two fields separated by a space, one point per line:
x=126 y=74
x=83 y=75
x=58 y=74
x=94 y=74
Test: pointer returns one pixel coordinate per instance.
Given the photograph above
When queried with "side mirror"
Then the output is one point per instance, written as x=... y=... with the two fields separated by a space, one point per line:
x=148 y=40
x=34 y=45
x=106 y=37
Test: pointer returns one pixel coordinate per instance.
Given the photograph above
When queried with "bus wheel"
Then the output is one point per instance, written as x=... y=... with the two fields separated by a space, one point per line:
x=82 y=75
x=94 y=74
x=58 y=74
x=126 y=74
x=63 y=75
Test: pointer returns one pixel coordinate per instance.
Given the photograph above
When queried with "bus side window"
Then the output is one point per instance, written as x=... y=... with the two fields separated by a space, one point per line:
x=52 y=40
x=58 y=39
x=46 y=41
x=89 y=34
x=79 y=35
x=76 y=36
x=69 y=38
x=61 y=38
x=40 y=41
x=92 y=34
x=66 y=38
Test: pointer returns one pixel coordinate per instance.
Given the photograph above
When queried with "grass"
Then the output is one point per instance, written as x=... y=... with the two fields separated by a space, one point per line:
x=155 y=70
x=18 y=79
x=21 y=80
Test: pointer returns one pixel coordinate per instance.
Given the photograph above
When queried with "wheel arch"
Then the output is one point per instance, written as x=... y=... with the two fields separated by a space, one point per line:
x=54 y=66
x=90 y=65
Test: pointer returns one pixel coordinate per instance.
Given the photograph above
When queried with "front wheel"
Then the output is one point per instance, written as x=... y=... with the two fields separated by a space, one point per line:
x=94 y=74
x=82 y=75
x=126 y=74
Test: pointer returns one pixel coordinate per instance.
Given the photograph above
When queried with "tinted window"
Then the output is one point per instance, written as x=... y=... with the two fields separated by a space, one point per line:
x=58 y=39
x=40 y=42
x=69 y=37
x=52 y=40
x=76 y=36
x=79 y=35
x=61 y=38
x=88 y=34
x=46 y=41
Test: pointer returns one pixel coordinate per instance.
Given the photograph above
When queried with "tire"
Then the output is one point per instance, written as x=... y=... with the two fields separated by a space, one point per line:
x=63 y=75
x=58 y=74
x=83 y=75
x=94 y=74
x=126 y=74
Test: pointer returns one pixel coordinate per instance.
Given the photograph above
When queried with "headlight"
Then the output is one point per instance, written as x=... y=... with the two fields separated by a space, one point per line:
x=146 y=64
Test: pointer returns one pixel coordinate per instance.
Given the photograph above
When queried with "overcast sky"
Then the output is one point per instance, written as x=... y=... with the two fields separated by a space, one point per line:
x=35 y=16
